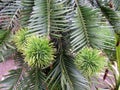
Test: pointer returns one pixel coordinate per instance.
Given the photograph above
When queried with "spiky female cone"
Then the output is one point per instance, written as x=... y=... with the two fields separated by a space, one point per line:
x=38 y=52
x=89 y=61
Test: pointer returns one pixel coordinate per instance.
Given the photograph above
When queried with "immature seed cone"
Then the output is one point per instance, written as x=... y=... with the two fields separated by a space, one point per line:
x=89 y=61
x=38 y=52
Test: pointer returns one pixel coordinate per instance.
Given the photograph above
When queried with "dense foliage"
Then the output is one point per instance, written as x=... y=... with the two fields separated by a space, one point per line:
x=48 y=37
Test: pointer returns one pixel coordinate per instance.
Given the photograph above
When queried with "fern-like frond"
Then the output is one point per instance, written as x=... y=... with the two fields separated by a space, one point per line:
x=22 y=79
x=9 y=13
x=48 y=16
x=12 y=80
x=27 y=8
x=112 y=17
x=85 y=30
x=35 y=80
x=65 y=76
